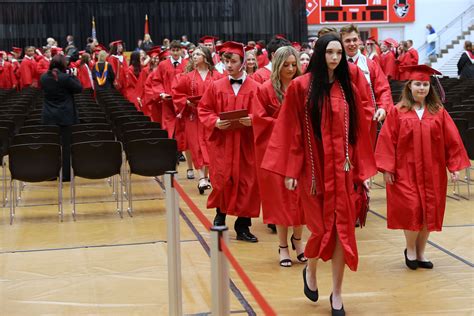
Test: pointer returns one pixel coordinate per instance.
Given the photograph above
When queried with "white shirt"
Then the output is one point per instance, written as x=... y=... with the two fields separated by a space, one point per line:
x=269 y=66
x=236 y=87
x=420 y=112
x=173 y=60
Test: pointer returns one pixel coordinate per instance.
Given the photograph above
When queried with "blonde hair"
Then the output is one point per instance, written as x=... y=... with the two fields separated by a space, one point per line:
x=281 y=55
x=252 y=52
x=102 y=56
x=432 y=100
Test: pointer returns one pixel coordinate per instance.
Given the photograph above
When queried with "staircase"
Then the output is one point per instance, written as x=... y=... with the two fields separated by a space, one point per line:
x=448 y=59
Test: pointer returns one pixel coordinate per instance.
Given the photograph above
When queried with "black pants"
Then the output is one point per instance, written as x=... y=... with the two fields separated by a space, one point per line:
x=242 y=224
x=65 y=132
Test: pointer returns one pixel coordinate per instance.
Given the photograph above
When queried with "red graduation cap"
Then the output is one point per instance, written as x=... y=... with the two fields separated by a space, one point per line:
x=371 y=40
x=3 y=53
x=233 y=48
x=208 y=39
x=116 y=43
x=420 y=72
x=154 y=51
x=249 y=48
x=280 y=36
x=218 y=48
x=296 y=45
x=56 y=50
x=391 y=41
x=164 y=54
x=100 y=47
x=16 y=50
x=82 y=52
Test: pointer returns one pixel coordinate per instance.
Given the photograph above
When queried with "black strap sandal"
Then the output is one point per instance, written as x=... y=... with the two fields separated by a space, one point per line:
x=285 y=263
x=301 y=258
x=203 y=187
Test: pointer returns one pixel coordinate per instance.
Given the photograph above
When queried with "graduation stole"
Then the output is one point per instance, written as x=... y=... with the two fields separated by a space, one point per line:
x=470 y=54
x=101 y=78
x=347 y=163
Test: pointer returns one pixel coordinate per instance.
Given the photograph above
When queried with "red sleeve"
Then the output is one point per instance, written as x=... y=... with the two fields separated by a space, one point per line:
x=160 y=77
x=206 y=109
x=365 y=94
x=179 y=91
x=385 y=151
x=285 y=150
x=381 y=87
x=456 y=156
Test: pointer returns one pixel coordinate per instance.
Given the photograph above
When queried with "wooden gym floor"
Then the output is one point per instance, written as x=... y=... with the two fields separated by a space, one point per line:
x=104 y=265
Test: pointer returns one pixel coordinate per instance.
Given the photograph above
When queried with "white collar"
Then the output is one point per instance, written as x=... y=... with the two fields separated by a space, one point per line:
x=173 y=60
x=355 y=57
x=269 y=66
x=28 y=57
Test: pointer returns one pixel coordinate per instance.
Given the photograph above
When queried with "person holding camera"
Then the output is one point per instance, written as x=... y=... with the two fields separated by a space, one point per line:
x=59 y=85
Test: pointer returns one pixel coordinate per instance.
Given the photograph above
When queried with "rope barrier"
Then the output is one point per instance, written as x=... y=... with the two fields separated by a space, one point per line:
x=266 y=308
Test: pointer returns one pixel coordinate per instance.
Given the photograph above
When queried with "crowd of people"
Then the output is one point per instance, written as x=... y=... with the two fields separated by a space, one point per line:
x=288 y=129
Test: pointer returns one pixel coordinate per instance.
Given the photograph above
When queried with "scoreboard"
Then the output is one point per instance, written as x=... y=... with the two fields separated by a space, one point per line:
x=360 y=11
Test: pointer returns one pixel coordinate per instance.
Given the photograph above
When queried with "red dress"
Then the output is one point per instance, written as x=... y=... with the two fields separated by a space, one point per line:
x=84 y=75
x=389 y=65
x=130 y=90
x=262 y=75
x=418 y=152
x=120 y=68
x=231 y=152
x=7 y=77
x=189 y=85
x=332 y=208
x=279 y=205
x=28 y=73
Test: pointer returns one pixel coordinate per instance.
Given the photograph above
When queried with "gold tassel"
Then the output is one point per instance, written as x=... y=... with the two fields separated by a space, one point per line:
x=313 y=186
x=347 y=165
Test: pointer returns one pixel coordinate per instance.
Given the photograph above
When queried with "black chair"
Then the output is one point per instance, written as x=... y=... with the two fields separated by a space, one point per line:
x=139 y=125
x=89 y=136
x=18 y=119
x=35 y=163
x=35 y=138
x=8 y=124
x=39 y=129
x=93 y=120
x=96 y=160
x=5 y=135
x=149 y=158
x=30 y=122
x=129 y=136
x=462 y=125
x=90 y=127
x=91 y=114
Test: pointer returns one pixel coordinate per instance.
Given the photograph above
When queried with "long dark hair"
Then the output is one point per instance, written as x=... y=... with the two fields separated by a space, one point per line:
x=135 y=62
x=320 y=85
x=58 y=64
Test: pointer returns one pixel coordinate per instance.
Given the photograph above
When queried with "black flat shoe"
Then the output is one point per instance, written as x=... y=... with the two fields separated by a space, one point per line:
x=301 y=258
x=412 y=264
x=246 y=236
x=425 y=264
x=310 y=294
x=219 y=220
x=285 y=263
x=336 y=312
x=272 y=227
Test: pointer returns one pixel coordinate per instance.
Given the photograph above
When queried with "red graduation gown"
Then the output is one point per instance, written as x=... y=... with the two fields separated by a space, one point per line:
x=288 y=154
x=42 y=65
x=28 y=73
x=262 y=75
x=262 y=60
x=163 y=78
x=405 y=59
x=279 y=205
x=120 y=70
x=7 y=77
x=418 y=153
x=188 y=85
x=130 y=90
x=152 y=102
x=389 y=65
x=140 y=89
x=85 y=76
x=231 y=152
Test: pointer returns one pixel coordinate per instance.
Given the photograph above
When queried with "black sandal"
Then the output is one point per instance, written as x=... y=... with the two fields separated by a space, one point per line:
x=301 y=258
x=285 y=263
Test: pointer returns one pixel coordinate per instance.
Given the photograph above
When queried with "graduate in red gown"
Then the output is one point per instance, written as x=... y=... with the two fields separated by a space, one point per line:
x=251 y=65
x=43 y=61
x=210 y=43
x=164 y=77
x=413 y=52
x=84 y=73
x=406 y=57
x=231 y=151
x=28 y=69
x=153 y=102
x=380 y=92
x=16 y=53
x=418 y=141
x=119 y=65
x=153 y=55
x=262 y=56
x=372 y=50
x=279 y=205
x=388 y=61
x=7 y=77
x=133 y=73
x=188 y=89
x=263 y=74
x=320 y=145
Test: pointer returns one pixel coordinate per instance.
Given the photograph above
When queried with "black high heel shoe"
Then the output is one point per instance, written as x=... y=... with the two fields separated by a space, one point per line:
x=336 y=312
x=301 y=258
x=412 y=264
x=310 y=294
x=285 y=263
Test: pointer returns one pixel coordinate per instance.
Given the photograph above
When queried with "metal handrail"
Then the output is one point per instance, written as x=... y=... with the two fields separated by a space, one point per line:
x=458 y=23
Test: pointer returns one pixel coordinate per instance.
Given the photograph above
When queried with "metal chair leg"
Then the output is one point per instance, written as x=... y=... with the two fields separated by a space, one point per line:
x=12 y=203
x=130 y=196
x=60 y=194
x=73 y=194
x=4 y=182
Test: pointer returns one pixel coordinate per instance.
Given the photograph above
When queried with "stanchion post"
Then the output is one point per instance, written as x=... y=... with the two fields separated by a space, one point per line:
x=174 y=251
x=219 y=272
